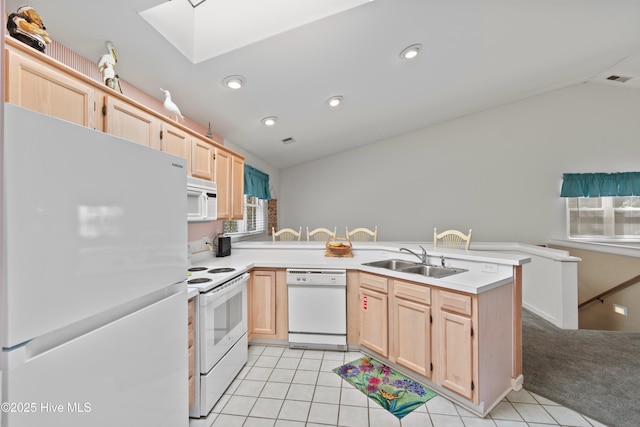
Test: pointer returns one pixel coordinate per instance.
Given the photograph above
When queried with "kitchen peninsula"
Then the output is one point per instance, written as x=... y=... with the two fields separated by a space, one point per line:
x=460 y=335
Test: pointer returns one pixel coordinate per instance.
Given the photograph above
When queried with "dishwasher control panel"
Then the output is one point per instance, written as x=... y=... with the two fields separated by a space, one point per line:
x=317 y=277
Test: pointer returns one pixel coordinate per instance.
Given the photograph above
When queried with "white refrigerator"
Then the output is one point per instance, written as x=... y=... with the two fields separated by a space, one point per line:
x=93 y=305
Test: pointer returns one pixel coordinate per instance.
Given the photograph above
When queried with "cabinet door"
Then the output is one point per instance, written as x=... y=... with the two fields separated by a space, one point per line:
x=374 y=321
x=412 y=335
x=374 y=283
x=456 y=353
x=192 y=353
x=202 y=154
x=43 y=88
x=262 y=303
x=222 y=167
x=127 y=121
x=237 y=188
x=175 y=141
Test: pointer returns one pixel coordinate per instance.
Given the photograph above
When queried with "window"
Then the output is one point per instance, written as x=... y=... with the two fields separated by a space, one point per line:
x=610 y=218
x=603 y=205
x=254 y=219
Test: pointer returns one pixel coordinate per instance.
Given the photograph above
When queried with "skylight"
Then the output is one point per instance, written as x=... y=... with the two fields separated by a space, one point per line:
x=217 y=27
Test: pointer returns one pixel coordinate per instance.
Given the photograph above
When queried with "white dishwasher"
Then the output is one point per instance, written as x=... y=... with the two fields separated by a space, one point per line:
x=317 y=309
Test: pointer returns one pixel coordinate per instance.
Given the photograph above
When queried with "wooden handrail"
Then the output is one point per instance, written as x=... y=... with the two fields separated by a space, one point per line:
x=615 y=289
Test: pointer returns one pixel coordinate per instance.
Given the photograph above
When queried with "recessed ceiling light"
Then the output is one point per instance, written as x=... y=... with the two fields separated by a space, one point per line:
x=233 y=82
x=269 y=121
x=334 y=101
x=411 y=51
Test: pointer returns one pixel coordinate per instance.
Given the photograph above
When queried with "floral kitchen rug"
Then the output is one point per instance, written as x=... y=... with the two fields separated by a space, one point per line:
x=390 y=389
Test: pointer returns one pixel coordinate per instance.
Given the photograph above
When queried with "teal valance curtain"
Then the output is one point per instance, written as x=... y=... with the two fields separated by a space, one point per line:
x=620 y=184
x=256 y=183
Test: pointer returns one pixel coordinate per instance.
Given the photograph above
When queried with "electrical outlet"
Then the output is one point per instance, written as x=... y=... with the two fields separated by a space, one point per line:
x=489 y=267
x=205 y=240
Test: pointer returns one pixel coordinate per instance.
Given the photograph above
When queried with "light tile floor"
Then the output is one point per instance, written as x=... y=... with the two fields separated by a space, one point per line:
x=282 y=387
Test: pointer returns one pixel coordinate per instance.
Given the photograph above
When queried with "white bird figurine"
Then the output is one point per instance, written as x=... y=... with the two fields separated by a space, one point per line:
x=170 y=106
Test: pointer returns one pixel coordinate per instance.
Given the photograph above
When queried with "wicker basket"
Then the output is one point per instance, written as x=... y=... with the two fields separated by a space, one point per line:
x=338 y=246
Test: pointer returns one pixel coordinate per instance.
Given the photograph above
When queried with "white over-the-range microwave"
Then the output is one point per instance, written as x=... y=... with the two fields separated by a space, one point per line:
x=202 y=200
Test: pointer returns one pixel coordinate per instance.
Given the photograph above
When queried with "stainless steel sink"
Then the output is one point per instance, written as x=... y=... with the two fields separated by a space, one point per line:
x=405 y=266
x=392 y=264
x=433 y=270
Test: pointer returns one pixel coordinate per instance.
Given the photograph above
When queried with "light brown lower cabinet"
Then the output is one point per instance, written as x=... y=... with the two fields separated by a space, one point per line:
x=191 y=310
x=455 y=338
x=398 y=322
x=267 y=304
x=374 y=317
x=374 y=321
x=410 y=326
x=456 y=353
x=460 y=342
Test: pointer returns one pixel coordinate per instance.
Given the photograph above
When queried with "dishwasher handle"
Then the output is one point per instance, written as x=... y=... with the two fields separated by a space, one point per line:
x=315 y=286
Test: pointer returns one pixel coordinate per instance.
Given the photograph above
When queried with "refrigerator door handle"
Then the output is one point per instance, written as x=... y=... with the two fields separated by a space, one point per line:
x=44 y=343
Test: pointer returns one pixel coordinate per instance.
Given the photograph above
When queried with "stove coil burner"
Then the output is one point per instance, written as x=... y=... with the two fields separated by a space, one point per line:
x=199 y=280
x=197 y=268
x=222 y=270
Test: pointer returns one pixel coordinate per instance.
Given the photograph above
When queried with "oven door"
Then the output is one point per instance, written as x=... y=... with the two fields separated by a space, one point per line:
x=223 y=320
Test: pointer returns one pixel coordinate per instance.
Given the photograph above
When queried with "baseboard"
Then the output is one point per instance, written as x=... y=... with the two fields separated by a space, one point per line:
x=516 y=383
x=544 y=315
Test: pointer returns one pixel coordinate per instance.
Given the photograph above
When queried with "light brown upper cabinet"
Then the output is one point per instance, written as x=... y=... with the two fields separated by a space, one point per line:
x=40 y=83
x=202 y=157
x=229 y=177
x=176 y=141
x=237 y=187
x=37 y=85
x=127 y=121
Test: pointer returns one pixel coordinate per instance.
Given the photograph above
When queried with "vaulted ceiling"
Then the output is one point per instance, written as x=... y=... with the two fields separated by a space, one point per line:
x=475 y=54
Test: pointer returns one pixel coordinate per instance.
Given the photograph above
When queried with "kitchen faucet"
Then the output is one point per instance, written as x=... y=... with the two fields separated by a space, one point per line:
x=422 y=257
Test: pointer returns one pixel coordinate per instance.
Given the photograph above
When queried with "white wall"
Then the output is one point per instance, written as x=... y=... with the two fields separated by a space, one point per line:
x=498 y=171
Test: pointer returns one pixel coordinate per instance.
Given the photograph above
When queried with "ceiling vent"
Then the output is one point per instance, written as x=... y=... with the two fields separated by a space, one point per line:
x=288 y=140
x=620 y=79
